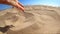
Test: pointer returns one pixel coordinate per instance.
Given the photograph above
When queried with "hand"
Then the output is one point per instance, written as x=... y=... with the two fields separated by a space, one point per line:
x=14 y=3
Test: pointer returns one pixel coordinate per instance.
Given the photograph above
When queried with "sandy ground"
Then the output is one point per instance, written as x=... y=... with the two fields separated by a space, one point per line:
x=36 y=20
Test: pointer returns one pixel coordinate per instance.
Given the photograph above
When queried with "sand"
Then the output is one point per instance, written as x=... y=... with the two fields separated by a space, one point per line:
x=35 y=20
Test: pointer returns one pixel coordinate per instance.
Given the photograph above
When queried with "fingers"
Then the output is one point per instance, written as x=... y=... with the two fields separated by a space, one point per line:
x=15 y=3
x=19 y=6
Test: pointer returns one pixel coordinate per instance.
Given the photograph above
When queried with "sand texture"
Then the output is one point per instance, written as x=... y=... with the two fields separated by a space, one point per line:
x=35 y=20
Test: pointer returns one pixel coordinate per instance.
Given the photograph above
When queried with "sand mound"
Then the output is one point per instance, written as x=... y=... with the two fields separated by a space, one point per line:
x=35 y=20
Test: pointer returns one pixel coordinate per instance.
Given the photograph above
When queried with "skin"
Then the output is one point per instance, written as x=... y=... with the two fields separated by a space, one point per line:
x=14 y=3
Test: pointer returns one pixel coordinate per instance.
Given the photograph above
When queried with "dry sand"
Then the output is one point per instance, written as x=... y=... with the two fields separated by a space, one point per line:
x=36 y=20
